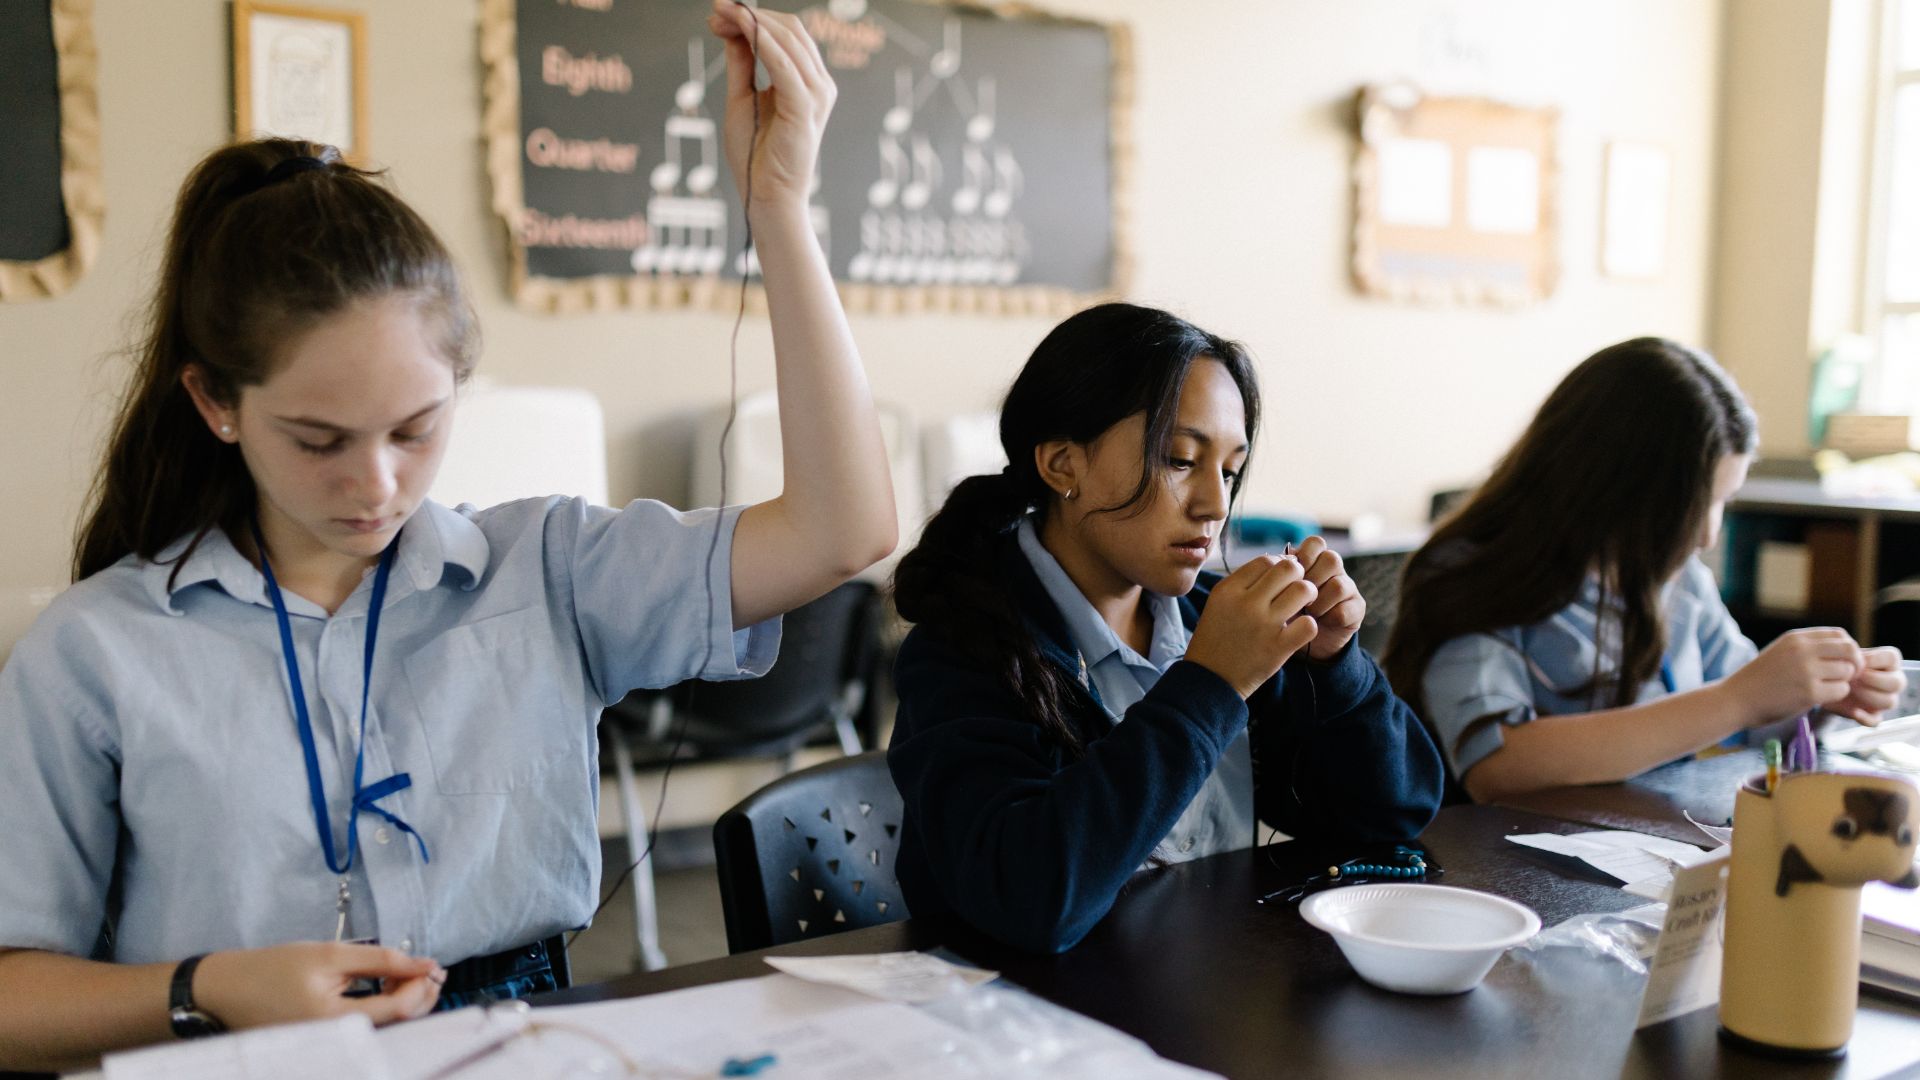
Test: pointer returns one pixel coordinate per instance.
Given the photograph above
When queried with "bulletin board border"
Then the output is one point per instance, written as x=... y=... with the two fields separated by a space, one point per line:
x=81 y=187
x=500 y=132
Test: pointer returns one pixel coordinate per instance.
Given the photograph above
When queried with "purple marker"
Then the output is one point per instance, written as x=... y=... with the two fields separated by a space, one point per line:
x=1802 y=754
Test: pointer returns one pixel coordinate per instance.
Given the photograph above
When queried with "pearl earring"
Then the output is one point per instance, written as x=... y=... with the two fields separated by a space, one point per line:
x=1073 y=493
x=226 y=431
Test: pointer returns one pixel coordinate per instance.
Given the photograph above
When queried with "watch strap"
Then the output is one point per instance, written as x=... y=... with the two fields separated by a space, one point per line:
x=189 y=1020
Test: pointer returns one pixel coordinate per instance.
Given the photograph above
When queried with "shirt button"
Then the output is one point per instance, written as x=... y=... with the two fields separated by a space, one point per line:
x=1187 y=844
x=382 y=835
x=406 y=944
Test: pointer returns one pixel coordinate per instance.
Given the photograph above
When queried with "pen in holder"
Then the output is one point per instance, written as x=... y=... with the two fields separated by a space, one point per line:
x=1790 y=981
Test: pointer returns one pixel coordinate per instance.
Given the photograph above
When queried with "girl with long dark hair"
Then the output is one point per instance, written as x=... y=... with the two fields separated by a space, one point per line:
x=1558 y=628
x=1078 y=699
x=290 y=703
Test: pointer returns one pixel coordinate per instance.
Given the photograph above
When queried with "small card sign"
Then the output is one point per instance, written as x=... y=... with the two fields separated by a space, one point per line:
x=1684 y=974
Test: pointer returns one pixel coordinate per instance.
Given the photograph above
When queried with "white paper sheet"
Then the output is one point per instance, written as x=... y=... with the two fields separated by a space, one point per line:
x=910 y=977
x=1416 y=183
x=814 y=1031
x=321 y=1050
x=1503 y=190
x=1629 y=857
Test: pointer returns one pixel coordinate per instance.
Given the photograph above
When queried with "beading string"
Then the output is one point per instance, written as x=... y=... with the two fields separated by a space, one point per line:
x=719 y=517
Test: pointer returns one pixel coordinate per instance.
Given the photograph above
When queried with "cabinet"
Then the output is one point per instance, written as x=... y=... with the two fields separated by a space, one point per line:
x=1856 y=549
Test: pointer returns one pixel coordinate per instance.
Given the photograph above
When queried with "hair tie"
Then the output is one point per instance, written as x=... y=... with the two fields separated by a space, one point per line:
x=292 y=166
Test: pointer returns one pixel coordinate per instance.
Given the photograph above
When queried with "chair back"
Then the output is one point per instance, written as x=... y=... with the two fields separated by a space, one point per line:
x=819 y=644
x=811 y=854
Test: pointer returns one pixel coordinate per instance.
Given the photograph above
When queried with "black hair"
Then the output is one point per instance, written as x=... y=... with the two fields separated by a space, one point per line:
x=1094 y=370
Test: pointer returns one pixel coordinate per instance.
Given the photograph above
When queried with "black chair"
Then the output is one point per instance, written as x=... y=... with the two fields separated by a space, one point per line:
x=811 y=854
x=817 y=687
x=557 y=958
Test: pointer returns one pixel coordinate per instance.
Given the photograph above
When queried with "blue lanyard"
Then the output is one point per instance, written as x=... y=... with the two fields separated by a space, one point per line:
x=364 y=798
x=1666 y=677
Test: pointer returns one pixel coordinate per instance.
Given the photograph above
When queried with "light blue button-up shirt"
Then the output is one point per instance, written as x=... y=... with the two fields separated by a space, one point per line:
x=1478 y=683
x=1220 y=817
x=148 y=750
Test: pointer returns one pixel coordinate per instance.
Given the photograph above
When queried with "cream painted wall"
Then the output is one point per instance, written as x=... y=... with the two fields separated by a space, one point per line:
x=1243 y=210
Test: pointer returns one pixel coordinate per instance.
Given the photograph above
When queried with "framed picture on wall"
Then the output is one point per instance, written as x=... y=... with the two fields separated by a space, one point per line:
x=300 y=72
x=1639 y=185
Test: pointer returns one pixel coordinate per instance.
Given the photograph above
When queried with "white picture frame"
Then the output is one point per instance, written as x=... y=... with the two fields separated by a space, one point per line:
x=1639 y=191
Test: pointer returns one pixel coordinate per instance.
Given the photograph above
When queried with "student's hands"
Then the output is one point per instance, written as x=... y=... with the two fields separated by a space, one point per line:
x=304 y=981
x=1339 y=609
x=1254 y=622
x=793 y=112
x=1799 y=670
x=1875 y=689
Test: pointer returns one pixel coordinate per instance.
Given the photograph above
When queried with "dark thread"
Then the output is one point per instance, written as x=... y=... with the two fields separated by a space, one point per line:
x=720 y=513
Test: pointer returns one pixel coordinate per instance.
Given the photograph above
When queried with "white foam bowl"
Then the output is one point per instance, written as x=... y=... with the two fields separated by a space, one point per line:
x=1420 y=939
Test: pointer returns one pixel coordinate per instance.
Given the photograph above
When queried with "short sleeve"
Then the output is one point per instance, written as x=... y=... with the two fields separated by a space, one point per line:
x=1723 y=648
x=652 y=591
x=1473 y=686
x=59 y=806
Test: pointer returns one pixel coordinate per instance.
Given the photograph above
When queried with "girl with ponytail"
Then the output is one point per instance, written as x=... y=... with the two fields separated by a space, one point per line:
x=290 y=704
x=1077 y=698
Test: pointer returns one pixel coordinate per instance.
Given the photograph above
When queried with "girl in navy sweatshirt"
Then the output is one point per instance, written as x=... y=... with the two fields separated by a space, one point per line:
x=1078 y=699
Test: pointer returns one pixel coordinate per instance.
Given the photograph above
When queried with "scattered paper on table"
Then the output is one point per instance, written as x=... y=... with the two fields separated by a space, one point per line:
x=813 y=1031
x=320 y=1050
x=1721 y=835
x=911 y=977
x=1630 y=858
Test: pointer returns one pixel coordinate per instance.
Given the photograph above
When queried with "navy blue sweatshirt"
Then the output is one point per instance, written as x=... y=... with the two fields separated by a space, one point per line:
x=1017 y=838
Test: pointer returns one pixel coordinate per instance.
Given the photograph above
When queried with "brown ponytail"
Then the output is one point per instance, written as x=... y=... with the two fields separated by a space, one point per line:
x=267 y=238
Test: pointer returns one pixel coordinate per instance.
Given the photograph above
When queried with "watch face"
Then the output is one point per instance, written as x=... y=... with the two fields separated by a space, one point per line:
x=192 y=1023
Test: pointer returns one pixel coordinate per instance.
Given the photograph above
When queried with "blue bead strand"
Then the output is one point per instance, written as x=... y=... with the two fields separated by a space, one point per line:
x=1416 y=866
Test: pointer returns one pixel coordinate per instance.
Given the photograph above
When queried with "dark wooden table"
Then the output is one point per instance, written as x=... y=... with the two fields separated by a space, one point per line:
x=1192 y=964
x=1659 y=800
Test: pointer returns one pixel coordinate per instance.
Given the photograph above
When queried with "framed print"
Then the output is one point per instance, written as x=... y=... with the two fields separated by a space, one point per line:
x=1639 y=185
x=300 y=73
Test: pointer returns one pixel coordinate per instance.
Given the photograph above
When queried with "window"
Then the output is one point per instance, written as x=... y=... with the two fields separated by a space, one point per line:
x=1893 y=239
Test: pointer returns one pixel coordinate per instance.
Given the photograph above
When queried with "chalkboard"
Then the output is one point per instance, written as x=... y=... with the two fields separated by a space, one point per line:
x=975 y=159
x=50 y=206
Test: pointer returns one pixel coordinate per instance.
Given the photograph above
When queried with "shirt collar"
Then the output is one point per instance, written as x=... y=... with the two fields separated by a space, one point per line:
x=1086 y=630
x=434 y=539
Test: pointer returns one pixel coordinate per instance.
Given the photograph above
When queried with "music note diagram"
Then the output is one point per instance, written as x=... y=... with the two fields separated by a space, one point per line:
x=686 y=215
x=933 y=214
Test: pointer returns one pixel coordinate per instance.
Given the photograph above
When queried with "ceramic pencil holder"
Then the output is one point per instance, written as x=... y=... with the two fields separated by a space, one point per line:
x=1790 y=980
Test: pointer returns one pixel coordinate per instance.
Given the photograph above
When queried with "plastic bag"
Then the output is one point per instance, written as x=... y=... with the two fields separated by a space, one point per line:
x=1627 y=936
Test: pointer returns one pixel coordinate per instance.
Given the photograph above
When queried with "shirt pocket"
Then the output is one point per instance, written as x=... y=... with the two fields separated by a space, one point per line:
x=495 y=706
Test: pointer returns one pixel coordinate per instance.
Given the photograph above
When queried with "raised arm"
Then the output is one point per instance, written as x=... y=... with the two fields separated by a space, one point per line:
x=834 y=515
